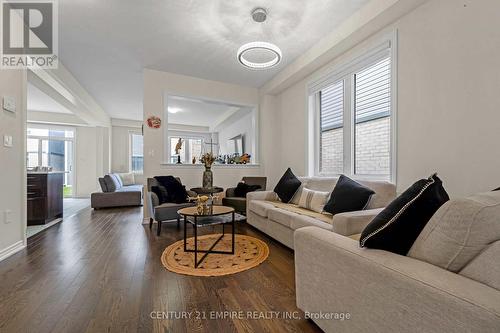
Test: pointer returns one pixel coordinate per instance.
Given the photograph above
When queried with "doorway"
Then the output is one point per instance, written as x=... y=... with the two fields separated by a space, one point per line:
x=52 y=147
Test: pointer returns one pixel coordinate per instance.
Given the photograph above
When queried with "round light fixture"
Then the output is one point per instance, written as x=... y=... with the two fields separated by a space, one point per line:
x=261 y=47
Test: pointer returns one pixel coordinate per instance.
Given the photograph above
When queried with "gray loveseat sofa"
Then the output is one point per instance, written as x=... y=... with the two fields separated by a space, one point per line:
x=128 y=193
x=448 y=282
x=279 y=220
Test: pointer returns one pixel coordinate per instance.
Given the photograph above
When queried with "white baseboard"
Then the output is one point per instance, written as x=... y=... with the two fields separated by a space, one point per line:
x=10 y=250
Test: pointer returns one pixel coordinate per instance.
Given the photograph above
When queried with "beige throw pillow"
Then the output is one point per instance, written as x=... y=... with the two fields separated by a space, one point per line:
x=313 y=200
x=127 y=179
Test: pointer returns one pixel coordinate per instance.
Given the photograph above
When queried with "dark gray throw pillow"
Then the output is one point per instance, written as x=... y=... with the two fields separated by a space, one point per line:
x=102 y=182
x=348 y=196
x=161 y=192
x=396 y=228
x=110 y=183
x=242 y=189
x=287 y=186
x=497 y=189
x=176 y=191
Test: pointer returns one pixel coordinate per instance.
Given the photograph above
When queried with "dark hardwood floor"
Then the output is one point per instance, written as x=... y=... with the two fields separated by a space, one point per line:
x=100 y=271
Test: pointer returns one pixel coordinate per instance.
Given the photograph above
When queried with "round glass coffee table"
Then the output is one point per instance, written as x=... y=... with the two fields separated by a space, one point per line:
x=216 y=215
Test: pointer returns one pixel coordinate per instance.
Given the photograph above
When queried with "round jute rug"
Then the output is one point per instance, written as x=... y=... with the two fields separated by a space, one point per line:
x=249 y=252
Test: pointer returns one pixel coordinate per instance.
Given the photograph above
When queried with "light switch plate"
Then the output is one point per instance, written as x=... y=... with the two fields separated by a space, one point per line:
x=7 y=216
x=9 y=104
x=7 y=141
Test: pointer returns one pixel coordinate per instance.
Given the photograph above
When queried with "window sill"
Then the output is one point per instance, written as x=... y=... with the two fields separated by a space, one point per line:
x=214 y=166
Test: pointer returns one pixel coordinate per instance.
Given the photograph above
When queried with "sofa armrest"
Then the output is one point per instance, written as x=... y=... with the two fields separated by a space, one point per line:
x=384 y=290
x=353 y=222
x=262 y=195
x=230 y=192
x=192 y=194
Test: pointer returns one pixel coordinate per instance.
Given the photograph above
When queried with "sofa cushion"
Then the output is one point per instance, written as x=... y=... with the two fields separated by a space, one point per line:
x=459 y=231
x=484 y=268
x=281 y=216
x=396 y=228
x=110 y=183
x=127 y=178
x=287 y=186
x=385 y=192
x=260 y=207
x=131 y=188
x=313 y=200
x=324 y=217
x=301 y=221
x=168 y=210
x=348 y=196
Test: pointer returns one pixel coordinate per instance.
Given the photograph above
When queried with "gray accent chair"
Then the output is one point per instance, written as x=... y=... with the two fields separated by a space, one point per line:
x=240 y=204
x=166 y=211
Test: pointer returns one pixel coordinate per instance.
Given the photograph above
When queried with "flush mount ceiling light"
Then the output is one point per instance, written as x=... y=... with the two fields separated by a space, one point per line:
x=261 y=47
x=271 y=51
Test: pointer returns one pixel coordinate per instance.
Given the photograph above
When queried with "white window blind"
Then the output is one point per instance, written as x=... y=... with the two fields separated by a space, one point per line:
x=354 y=117
x=373 y=91
x=332 y=106
x=332 y=132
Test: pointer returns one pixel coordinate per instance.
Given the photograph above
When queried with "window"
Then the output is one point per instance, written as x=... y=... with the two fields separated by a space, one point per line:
x=137 y=155
x=190 y=147
x=354 y=119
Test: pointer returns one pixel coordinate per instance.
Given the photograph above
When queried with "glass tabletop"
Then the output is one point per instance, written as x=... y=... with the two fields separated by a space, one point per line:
x=212 y=211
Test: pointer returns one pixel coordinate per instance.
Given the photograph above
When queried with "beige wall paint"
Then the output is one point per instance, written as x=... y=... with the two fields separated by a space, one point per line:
x=448 y=98
x=13 y=175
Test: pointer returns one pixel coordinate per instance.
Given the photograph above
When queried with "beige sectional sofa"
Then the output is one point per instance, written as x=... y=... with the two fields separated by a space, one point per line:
x=449 y=282
x=280 y=220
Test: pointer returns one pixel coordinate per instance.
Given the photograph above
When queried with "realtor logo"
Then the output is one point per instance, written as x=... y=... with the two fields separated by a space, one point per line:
x=29 y=34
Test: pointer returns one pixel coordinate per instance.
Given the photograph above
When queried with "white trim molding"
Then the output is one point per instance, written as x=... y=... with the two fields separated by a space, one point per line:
x=12 y=249
x=378 y=48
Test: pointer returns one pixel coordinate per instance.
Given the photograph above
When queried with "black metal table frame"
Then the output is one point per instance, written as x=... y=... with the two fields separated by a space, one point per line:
x=210 y=250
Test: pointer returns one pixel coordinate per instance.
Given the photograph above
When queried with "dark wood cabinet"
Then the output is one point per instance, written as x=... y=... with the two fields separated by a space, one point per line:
x=45 y=197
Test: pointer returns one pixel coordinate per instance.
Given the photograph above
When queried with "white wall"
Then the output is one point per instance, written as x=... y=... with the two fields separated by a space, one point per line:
x=120 y=143
x=12 y=161
x=239 y=123
x=92 y=158
x=448 y=100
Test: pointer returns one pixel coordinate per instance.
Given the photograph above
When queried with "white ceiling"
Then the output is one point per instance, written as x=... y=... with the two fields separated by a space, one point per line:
x=106 y=44
x=196 y=112
x=38 y=101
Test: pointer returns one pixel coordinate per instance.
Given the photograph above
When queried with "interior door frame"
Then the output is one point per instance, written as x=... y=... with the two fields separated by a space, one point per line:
x=40 y=138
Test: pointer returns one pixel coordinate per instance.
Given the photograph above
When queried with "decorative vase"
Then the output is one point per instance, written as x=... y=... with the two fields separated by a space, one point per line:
x=208 y=178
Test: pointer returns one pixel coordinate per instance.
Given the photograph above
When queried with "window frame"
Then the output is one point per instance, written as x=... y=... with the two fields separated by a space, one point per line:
x=131 y=151
x=184 y=137
x=345 y=71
